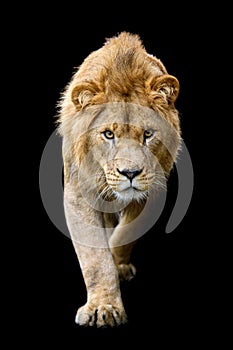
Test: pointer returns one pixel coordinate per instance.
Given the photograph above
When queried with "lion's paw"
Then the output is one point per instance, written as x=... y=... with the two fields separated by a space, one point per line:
x=126 y=271
x=105 y=315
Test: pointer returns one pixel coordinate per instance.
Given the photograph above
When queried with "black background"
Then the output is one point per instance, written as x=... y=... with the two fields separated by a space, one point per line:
x=170 y=300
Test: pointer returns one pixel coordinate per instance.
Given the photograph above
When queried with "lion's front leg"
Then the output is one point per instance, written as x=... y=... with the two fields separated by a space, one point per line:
x=104 y=305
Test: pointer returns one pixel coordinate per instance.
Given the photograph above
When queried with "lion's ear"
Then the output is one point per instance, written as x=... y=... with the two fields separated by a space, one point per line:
x=166 y=86
x=83 y=94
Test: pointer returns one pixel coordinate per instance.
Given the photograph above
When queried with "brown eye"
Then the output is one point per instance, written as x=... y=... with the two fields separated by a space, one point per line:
x=148 y=134
x=108 y=134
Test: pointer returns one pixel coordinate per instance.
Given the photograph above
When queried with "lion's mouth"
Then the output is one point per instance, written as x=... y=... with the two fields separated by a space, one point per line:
x=131 y=186
x=134 y=187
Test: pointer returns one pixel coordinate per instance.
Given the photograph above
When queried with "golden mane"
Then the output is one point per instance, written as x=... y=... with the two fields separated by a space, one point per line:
x=121 y=70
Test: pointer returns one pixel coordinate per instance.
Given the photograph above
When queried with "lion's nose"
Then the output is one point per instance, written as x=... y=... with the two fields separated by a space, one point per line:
x=130 y=174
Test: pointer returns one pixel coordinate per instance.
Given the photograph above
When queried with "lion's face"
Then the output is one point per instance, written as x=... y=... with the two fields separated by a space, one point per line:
x=124 y=151
x=129 y=167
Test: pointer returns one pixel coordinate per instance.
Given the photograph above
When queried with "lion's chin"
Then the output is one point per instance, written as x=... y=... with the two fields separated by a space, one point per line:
x=131 y=194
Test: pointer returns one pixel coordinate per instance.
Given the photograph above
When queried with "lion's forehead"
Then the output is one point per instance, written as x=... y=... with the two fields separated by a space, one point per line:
x=120 y=115
x=120 y=112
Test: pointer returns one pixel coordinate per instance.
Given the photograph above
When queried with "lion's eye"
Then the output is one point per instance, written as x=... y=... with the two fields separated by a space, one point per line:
x=108 y=134
x=148 y=134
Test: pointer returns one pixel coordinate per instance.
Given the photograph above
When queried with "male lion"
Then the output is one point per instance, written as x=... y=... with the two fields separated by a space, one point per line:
x=121 y=135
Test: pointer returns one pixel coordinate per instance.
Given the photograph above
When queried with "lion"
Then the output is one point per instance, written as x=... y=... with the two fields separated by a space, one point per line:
x=121 y=135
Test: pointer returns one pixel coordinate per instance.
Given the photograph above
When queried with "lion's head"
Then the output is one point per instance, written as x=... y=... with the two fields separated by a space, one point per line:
x=120 y=128
x=119 y=151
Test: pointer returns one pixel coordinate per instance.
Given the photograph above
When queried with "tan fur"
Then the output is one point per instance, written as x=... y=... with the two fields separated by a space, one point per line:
x=116 y=97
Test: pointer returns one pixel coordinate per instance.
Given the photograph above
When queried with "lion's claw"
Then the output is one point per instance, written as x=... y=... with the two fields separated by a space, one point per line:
x=105 y=315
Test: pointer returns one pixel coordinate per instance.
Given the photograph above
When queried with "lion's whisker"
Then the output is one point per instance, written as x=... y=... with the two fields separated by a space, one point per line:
x=103 y=194
x=158 y=184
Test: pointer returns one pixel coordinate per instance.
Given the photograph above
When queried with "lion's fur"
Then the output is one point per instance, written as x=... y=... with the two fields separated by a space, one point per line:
x=120 y=88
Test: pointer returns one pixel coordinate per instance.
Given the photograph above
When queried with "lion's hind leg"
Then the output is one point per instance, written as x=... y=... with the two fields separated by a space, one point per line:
x=121 y=255
x=123 y=240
